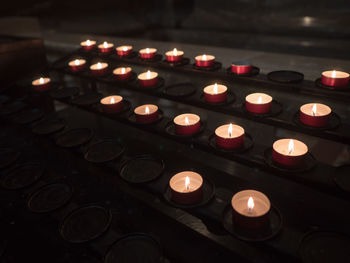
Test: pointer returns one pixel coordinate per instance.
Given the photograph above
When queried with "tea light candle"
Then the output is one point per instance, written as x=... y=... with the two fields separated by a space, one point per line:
x=174 y=55
x=186 y=124
x=335 y=78
x=105 y=47
x=77 y=64
x=99 y=69
x=241 y=67
x=289 y=152
x=229 y=136
x=204 y=61
x=148 y=78
x=250 y=210
x=258 y=103
x=148 y=53
x=215 y=93
x=124 y=50
x=41 y=84
x=186 y=188
x=122 y=73
x=112 y=104
x=146 y=113
x=315 y=114
x=88 y=45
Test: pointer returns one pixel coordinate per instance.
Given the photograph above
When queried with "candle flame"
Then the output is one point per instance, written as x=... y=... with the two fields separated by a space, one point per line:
x=259 y=100
x=147 y=50
x=41 y=80
x=112 y=101
x=250 y=203
x=123 y=70
x=187 y=183
x=229 y=130
x=76 y=62
x=187 y=121
x=175 y=52
x=204 y=57
x=99 y=65
x=147 y=110
x=215 y=89
x=88 y=42
x=290 y=146
x=334 y=73
x=314 y=110
x=125 y=48
x=148 y=74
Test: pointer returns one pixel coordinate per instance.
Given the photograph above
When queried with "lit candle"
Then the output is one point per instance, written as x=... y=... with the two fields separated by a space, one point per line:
x=88 y=45
x=186 y=188
x=174 y=55
x=335 y=78
x=215 y=93
x=148 y=79
x=315 y=114
x=148 y=53
x=99 y=69
x=250 y=210
x=289 y=152
x=112 y=104
x=186 y=124
x=41 y=84
x=204 y=61
x=241 y=67
x=105 y=47
x=122 y=73
x=124 y=50
x=147 y=113
x=229 y=136
x=258 y=103
x=77 y=64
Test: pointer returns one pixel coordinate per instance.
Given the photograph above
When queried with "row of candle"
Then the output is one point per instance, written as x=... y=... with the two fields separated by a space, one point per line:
x=329 y=78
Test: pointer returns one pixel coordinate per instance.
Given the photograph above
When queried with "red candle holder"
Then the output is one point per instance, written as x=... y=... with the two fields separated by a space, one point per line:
x=241 y=67
x=41 y=84
x=336 y=79
x=258 y=103
x=112 y=104
x=88 y=45
x=99 y=69
x=289 y=152
x=215 y=93
x=105 y=47
x=148 y=79
x=174 y=55
x=146 y=113
x=77 y=65
x=229 y=136
x=148 y=53
x=315 y=114
x=124 y=50
x=122 y=73
x=204 y=61
x=186 y=188
x=187 y=124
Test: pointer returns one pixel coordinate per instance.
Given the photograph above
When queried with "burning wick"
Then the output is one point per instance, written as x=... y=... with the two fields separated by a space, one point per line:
x=148 y=74
x=334 y=74
x=112 y=101
x=125 y=49
x=215 y=89
x=41 y=80
x=123 y=70
x=76 y=62
x=186 y=121
x=290 y=146
x=147 y=50
x=229 y=130
x=187 y=183
x=147 y=110
x=204 y=57
x=99 y=66
x=88 y=42
x=175 y=52
x=250 y=204
x=314 y=110
x=105 y=44
x=259 y=100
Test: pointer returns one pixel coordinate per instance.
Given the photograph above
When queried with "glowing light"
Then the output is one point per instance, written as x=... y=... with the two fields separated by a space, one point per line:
x=250 y=204
x=187 y=121
x=175 y=52
x=112 y=101
x=147 y=110
x=76 y=62
x=105 y=44
x=148 y=51
x=125 y=48
x=215 y=89
x=290 y=146
x=204 y=57
x=148 y=74
x=41 y=80
x=259 y=100
x=99 y=65
x=123 y=70
x=187 y=183
x=229 y=130
x=88 y=42
x=314 y=110
x=334 y=74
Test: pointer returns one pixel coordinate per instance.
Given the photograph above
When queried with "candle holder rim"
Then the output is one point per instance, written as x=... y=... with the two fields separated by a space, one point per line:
x=230 y=98
x=37 y=126
x=87 y=99
x=28 y=117
x=248 y=143
x=294 y=76
x=334 y=122
x=170 y=129
x=115 y=155
x=192 y=90
x=216 y=66
x=276 y=109
x=88 y=136
x=132 y=118
x=11 y=155
x=318 y=83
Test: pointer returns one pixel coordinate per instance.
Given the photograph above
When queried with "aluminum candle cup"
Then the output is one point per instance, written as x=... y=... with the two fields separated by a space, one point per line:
x=258 y=103
x=148 y=79
x=105 y=47
x=186 y=188
x=88 y=45
x=124 y=50
x=315 y=114
x=148 y=53
x=289 y=152
x=147 y=113
x=112 y=104
x=187 y=124
x=174 y=55
x=99 y=69
x=41 y=84
x=77 y=65
x=122 y=73
x=215 y=93
x=229 y=136
x=250 y=210
x=241 y=67
x=336 y=79
x=204 y=61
